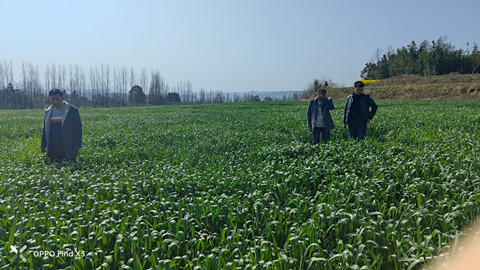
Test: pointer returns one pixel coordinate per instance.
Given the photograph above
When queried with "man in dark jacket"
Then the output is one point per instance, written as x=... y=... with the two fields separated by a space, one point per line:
x=319 y=119
x=62 y=129
x=357 y=112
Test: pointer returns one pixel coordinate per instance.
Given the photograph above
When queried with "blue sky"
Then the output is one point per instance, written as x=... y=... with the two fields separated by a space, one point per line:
x=228 y=45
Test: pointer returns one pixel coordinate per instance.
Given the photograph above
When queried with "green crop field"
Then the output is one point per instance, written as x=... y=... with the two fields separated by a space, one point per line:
x=239 y=186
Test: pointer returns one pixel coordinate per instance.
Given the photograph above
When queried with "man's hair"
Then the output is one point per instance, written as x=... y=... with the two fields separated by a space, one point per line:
x=322 y=90
x=55 y=92
x=358 y=84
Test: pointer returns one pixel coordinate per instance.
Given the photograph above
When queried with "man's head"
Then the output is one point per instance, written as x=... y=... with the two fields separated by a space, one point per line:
x=358 y=87
x=56 y=98
x=321 y=94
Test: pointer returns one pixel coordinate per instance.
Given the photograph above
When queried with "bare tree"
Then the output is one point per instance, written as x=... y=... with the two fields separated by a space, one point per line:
x=124 y=82
x=91 y=81
x=34 y=77
x=75 y=79
x=72 y=85
x=117 y=96
x=119 y=90
x=133 y=80
x=236 y=98
x=377 y=55
x=3 y=94
x=77 y=85
x=7 y=81
x=25 y=79
x=219 y=98
x=185 y=90
x=195 y=97
x=53 y=75
x=202 y=96
x=82 y=85
x=71 y=78
x=157 y=92
x=61 y=77
x=31 y=85
x=188 y=87
x=8 y=76
x=2 y=82
x=227 y=97
x=105 y=83
x=95 y=85
x=48 y=83
x=143 y=80
x=210 y=96
x=182 y=92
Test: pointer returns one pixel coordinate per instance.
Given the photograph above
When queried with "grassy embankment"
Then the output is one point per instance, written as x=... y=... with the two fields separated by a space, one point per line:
x=452 y=86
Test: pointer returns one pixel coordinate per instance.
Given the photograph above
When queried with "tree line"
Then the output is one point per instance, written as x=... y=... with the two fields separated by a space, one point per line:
x=427 y=59
x=102 y=86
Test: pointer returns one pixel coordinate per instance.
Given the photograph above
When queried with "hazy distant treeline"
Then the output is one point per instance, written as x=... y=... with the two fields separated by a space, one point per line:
x=102 y=87
x=427 y=59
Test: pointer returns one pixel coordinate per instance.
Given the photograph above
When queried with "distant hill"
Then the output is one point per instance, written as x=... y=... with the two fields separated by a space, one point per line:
x=452 y=86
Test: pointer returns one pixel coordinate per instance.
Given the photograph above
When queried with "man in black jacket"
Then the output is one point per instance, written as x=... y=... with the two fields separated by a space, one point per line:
x=62 y=129
x=357 y=113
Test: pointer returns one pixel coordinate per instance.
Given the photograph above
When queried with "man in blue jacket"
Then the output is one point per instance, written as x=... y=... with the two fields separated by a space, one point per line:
x=357 y=113
x=319 y=119
x=62 y=129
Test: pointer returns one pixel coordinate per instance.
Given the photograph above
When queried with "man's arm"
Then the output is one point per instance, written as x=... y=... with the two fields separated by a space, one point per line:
x=77 y=130
x=309 y=116
x=372 y=105
x=345 y=113
x=329 y=103
x=43 y=142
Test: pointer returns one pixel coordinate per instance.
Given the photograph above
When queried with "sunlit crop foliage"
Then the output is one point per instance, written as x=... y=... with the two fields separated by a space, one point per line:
x=239 y=186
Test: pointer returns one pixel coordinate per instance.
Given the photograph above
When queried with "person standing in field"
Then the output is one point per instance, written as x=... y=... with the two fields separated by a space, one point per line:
x=359 y=111
x=62 y=129
x=319 y=119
